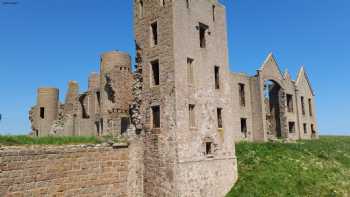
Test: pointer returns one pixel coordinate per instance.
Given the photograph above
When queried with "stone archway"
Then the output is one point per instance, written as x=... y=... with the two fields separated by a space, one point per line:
x=274 y=102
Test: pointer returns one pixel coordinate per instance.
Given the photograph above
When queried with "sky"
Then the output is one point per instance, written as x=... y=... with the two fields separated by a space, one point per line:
x=49 y=42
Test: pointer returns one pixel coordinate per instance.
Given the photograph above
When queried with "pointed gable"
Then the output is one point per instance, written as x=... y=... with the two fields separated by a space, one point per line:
x=270 y=68
x=287 y=76
x=302 y=77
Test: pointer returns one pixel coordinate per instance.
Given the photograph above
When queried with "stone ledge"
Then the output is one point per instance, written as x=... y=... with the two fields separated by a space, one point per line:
x=58 y=149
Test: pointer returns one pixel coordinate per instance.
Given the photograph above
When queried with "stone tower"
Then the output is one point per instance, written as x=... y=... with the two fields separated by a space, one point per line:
x=46 y=110
x=189 y=141
x=115 y=89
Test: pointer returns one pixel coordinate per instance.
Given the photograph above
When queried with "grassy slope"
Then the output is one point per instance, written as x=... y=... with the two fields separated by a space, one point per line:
x=307 y=168
x=27 y=140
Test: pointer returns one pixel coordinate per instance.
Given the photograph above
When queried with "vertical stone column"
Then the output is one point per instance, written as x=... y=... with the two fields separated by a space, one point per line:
x=282 y=110
x=71 y=109
x=94 y=83
x=71 y=97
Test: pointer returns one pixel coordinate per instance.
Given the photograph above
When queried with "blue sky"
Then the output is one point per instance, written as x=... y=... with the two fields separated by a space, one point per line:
x=48 y=42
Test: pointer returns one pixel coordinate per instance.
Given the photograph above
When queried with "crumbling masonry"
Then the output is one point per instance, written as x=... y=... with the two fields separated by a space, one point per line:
x=181 y=108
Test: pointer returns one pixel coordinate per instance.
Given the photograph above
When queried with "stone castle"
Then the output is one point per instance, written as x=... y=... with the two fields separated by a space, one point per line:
x=181 y=107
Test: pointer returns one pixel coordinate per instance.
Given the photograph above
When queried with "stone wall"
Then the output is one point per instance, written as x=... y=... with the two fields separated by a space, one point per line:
x=64 y=171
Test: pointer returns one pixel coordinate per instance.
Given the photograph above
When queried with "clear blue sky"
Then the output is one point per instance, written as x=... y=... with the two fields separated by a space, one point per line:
x=48 y=42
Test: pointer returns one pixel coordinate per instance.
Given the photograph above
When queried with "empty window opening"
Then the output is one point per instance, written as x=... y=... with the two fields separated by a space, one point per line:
x=244 y=126
x=313 y=131
x=140 y=8
x=310 y=107
x=302 y=105
x=290 y=103
x=187 y=3
x=98 y=95
x=208 y=148
x=101 y=126
x=154 y=34
x=155 y=73
x=192 y=116
x=190 y=71
x=42 y=112
x=36 y=133
x=202 y=33
x=213 y=10
x=162 y=3
x=84 y=104
x=241 y=94
x=156 y=116
x=305 y=128
x=219 y=116
x=291 y=126
x=217 y=77
x=97 y=124
x=124 y=124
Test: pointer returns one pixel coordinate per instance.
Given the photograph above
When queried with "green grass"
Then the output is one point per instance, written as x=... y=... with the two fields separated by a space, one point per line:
x=50 y=140
x=306 y=168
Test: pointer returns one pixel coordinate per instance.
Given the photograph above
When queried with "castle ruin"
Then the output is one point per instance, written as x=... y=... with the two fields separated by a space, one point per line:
x=181 y=105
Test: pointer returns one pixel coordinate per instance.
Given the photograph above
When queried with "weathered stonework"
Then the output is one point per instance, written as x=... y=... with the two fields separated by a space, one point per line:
x=102 y=110
x=185 y=107
x=64 y=171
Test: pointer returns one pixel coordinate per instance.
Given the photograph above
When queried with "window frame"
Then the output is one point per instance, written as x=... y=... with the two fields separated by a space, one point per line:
x=203 y=29
x=219 y=117
x=154 y=34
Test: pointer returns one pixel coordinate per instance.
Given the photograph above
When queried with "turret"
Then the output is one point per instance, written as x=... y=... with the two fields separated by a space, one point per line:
x=115 y=89
x=46 y=109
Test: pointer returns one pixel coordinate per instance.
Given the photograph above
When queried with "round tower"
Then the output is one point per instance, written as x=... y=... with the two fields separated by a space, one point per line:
x=115 y=89
x=47 y=109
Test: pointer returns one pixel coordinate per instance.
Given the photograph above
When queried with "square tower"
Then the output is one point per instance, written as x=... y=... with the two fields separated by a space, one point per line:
x=189 y=138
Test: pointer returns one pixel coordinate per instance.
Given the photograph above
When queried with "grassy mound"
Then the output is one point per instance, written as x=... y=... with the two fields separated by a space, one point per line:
x=306 y=168
x=50 y=140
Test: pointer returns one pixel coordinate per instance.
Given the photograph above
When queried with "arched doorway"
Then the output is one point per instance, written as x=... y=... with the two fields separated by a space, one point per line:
x=273 y=96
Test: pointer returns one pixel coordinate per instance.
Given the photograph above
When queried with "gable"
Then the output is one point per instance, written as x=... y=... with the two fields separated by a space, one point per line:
x=303 y=80
x=270 y=68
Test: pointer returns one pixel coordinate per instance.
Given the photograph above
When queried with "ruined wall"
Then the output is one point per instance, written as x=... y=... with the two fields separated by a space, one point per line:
x=291 y=119
x=240 y=110
x=64 y=171
x=292 y=115
x=259 y=133
x=304 y=90
x=71 y=110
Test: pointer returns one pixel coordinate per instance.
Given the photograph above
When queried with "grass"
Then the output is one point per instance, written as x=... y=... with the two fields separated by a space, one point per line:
x=50 y=140
x=306 y=168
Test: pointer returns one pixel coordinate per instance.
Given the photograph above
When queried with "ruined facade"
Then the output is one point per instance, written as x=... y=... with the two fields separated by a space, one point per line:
x=102 y=110
x=185 y=107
